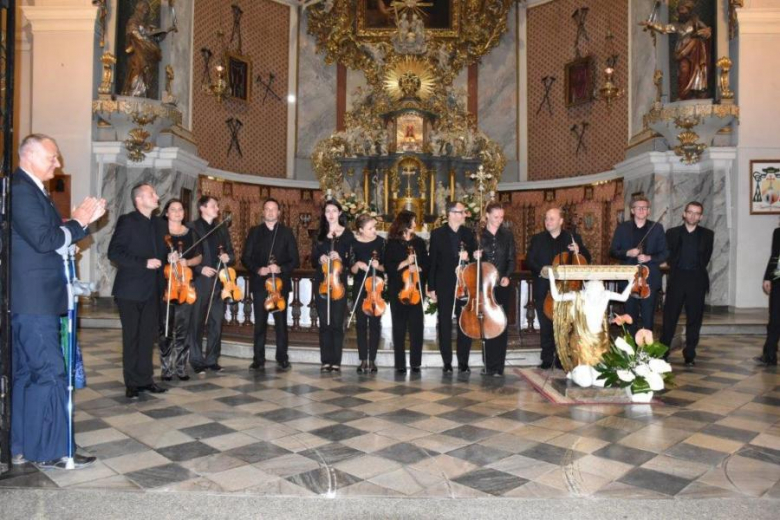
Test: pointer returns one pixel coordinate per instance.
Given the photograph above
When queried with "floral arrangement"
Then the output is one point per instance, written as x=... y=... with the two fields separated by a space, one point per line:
x=635 y=362
x=353 y=207
x=430 y=306
x=473 y=210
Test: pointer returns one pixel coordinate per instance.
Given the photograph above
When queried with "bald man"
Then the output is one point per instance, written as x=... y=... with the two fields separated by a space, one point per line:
x=545 y=246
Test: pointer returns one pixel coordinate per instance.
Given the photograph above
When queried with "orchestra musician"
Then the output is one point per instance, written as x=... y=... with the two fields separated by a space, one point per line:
x=498 y=248
x=175 y=316
x=363 y=265
x=270 y=249
x=330 y=248
x=398 y=261
x=445 y=256
x=543 y=249
x=206 y=276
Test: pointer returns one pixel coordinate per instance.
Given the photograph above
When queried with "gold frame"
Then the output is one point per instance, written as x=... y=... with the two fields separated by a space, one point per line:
x=247 y=61
x=375 y=33
x=587 y=63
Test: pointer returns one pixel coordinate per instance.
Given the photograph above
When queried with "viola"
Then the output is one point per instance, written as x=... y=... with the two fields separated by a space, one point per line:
x=273 y=286
x=373 y=304
x=331 y=286
x=180 y=288
x=231 y=292
x=482 y=317
x=410 y=294
x=565 y=258
x=460 y=284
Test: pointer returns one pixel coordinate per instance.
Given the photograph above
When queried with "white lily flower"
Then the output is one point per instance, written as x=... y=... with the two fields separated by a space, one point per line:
x=660 y=366
x=624 y=346
x=655 y=381
x=626 y=375
x=642 y=370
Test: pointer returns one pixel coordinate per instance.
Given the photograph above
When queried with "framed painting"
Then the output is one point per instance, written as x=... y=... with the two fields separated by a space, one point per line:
x=377 y=18
x=578 y=87
x=765 y=187
x=239 y=72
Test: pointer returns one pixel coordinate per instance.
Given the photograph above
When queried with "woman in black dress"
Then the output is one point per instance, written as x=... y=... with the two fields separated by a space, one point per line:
x=368 y=253
x=333 y=242
x=399 y=259
x=174 y=350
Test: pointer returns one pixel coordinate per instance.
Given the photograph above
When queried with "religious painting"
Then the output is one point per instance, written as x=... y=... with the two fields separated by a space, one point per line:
x=549 y=195
x=588 y=192
x=579 y=81
x=377 y=18
x=765 y=187
x=239 y=72
x=409 y=133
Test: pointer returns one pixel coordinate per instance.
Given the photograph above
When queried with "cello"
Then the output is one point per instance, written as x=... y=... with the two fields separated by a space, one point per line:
x=564 y=258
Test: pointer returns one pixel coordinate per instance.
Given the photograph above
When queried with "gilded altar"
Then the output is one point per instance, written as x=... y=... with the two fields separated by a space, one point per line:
x=409 y=140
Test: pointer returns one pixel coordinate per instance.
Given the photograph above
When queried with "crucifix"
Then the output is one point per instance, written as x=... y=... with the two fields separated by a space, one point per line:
x=580 y=15
x=234 y=125
x=408 y=171
x=237 y=12
x=547 y=81
x=268 y=86
x=579 y=132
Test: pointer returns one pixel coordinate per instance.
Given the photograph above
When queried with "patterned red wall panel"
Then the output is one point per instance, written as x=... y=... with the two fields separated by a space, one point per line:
x=551 y=35
x=263 y=137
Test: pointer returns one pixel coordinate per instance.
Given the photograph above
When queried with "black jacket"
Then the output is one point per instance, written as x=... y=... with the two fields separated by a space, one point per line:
x=210 y=246
x=444 y=260
x=674 y=237
x=654 y=246
x=37 y=232
x=260 y=245
x=342 y=245
x=771 y=266
x=136 y=239
x=499 y=250
x=396 y=252
x=542 y=251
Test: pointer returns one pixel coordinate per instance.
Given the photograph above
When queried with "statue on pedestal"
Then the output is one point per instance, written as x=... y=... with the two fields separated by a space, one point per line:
x=143 y=45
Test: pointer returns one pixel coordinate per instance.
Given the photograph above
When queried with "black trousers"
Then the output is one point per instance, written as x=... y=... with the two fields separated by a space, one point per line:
x=331 y=336
x=495 y=349
x=174 y=347
x=369 y=330
x=546 y=335
x=446 y=297
x=261 y=328
x=773 y=327
x=642 y=310
x=204 y=287
x=688 y=290
x=407 y=318
x=139 y=328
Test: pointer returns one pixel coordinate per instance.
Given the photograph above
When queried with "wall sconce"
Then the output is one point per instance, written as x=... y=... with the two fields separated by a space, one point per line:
x=219 y=86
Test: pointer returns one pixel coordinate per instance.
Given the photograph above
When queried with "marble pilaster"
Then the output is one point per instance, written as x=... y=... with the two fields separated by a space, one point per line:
x=643 y=64
x=180 y=54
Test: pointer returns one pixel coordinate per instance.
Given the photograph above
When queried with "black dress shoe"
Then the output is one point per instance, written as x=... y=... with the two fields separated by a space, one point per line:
x=284 y=366
x=154 y=388
x=546 y=365
x=363 y=367
x=447 y=369
x=486 y=372
x=199 y=370
x=79 y=461
x=372 y=367
x=325 y=368
x=167 y=378
x=131 y=392
x=216 y=367
x=185 y=377
x=464 y=369
x=415 y=370
x=335 y=368
x=690 y=362
x=761 y=360
x=401 y=370
x=257 y=365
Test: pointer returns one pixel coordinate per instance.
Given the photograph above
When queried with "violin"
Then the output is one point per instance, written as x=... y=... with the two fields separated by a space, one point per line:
x=460 y=284
x=410 y=294
x=640 y=288
x=373 y=304
x=331 y=286
x=273 y=285
x=482 y=317
x=231 y=292
x=565 y=258
x=180 y=288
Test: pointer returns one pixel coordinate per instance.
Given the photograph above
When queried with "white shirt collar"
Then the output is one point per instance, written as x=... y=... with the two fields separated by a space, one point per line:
x=36 y=180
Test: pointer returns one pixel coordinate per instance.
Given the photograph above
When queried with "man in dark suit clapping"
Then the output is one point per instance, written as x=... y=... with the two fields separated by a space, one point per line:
x=138 y=251
x=690 y=250
x=40 y=240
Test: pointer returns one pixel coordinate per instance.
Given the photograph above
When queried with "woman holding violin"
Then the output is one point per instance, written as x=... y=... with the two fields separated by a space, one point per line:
x=178 y=294
x=367 y=266
x=329 y=256
x=406 y=262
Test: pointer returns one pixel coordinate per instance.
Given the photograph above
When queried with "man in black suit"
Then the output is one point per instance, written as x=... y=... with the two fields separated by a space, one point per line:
x=271 y=240
x=40 y=242
x=138 y=251
x=542 y=250
x=690 y=250
x=445 y=255
x=205 y=280
x=641 y=241
x=771 y=286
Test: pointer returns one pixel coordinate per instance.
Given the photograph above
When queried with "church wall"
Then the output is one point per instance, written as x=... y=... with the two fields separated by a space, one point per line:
x=551 y=142
x=263 y=137
x=643 y=65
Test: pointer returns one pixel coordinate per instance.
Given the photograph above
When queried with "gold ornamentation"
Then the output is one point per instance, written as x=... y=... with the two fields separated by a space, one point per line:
x=136 y=106
x=733 y=25
x=137 y=145
x=688 y=149
x=107 y=81
x=724 y=64
x=669 y=114
x=609 y=92
x=410 y=78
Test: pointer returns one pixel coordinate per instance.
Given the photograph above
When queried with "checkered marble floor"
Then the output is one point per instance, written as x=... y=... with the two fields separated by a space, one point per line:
x=305 y=433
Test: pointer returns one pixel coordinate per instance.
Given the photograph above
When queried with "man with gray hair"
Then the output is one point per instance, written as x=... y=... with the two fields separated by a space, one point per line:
x=40 y=239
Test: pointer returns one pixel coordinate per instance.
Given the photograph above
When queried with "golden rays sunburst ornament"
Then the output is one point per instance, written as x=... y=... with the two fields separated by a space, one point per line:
x=410 y=78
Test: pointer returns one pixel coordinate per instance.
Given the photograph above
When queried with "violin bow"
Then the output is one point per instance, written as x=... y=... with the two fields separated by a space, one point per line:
x=419 y=281
x=227 y=219
x=213 y=290
x=357 y=300
x=639 y=245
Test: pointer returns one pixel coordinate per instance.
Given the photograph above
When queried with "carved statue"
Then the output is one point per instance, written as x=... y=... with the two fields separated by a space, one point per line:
x=375 y=51
x=168 y=96
x=143 y=45
x=441 y=199
x=383 y=142
x=410 y=35
x=690 y=52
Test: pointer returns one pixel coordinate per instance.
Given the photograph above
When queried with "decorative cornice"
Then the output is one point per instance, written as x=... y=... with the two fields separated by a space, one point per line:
x=114 y=152
x=757 y=20
x=568 y=182
x=279 y=182
x=60 y=18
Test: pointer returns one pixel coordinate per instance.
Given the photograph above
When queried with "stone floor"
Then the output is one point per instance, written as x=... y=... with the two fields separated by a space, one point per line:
x=716 y=435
